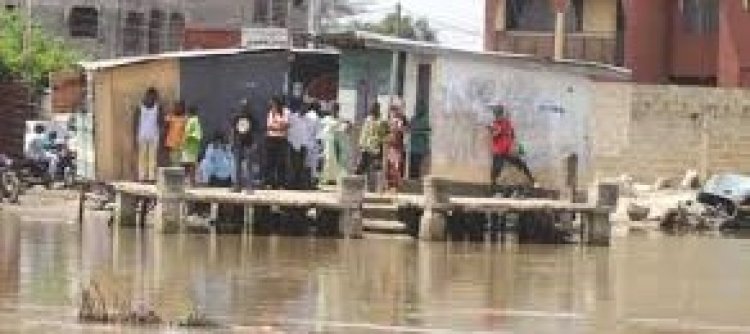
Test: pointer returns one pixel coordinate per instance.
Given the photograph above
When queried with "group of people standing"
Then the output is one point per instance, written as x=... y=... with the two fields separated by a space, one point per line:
x=171 y=139
x=297 y=149
x=307 y=147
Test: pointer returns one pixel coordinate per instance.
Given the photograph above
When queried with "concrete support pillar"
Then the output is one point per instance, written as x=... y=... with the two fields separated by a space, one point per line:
x=597 y=224
x=436 y=199
x=560 y=35
x=570 y=177
x=170 y=191
x=605 y=195
x=125 y=209
x=351 y=196
x=600 y=228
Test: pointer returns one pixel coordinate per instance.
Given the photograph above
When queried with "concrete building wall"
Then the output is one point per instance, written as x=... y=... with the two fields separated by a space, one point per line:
x=600 y=16
x=650 y=131
x=364 y=77
x=54 y=16
x=645 y=36
x=692 y=54
x=549 y=109
x=734 y=45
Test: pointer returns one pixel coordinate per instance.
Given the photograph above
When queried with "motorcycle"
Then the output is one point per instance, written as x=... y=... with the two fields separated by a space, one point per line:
x=10 y=185
x=66 y=166
x=31 y=173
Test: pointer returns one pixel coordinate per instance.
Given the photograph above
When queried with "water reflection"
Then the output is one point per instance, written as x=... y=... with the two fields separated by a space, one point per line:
x=641 y=285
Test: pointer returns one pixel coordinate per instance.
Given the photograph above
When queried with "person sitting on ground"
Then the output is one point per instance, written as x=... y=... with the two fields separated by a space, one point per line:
x=39 y=150
x=503 y=145
x=217 y=166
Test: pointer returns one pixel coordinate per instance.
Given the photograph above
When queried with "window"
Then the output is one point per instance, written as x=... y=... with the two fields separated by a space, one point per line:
x=700 y=16
x=278 y=13
x=133 y=33
x=260 y=12
x=83 y=22
x=155 y=27
x=176 y=31
x=298 y=3
x=539 y=15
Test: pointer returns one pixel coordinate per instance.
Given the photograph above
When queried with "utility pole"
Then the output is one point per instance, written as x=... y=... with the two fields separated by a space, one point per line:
x=395 y=61
x=398 y=19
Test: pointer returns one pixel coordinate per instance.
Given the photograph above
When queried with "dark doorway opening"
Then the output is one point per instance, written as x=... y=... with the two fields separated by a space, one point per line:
x=421 y=134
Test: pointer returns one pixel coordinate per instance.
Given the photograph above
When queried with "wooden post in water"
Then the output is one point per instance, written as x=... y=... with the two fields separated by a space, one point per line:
x=125 y=209
x=433 y=223
x=351 y=196
x=599 y=227
x=170 y=190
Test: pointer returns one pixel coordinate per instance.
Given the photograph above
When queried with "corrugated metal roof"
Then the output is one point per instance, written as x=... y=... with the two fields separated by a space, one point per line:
x=116 y=62
x=377 y=41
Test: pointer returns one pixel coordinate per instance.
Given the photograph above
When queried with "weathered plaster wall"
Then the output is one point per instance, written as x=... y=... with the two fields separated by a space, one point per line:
x=363 y=77
x=650 y=131
x=548 y=107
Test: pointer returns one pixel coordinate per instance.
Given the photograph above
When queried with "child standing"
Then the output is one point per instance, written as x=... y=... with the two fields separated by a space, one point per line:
x=192 y=144
x=175 y=133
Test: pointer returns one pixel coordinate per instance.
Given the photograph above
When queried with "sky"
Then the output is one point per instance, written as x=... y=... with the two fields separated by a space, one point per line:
x=459 y=22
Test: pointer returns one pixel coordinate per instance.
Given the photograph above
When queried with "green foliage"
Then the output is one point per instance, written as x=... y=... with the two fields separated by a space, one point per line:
x=45 y=53
x=410 y=28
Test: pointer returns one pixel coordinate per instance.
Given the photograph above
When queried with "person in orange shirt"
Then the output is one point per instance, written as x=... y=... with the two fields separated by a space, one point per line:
x=175 y=133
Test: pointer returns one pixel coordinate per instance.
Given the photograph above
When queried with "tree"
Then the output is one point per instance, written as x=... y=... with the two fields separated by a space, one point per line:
x=45 y=54
x=415 y=29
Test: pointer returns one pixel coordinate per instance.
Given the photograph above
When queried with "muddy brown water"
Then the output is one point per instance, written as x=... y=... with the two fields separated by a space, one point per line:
x=662 y=284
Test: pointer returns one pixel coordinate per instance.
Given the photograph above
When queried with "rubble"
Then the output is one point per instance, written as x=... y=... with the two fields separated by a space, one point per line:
x=683 y=206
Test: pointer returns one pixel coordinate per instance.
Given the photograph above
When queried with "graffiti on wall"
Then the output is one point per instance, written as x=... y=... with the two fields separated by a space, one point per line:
x=548 y=114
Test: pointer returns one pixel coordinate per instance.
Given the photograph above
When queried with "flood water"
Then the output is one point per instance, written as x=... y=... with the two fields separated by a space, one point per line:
x=687 y=284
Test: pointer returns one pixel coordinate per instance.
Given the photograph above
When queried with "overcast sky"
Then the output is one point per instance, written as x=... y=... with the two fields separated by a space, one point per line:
x=459 y=22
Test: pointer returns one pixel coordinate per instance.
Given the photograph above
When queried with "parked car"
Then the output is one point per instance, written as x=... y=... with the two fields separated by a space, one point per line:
x=728 y=195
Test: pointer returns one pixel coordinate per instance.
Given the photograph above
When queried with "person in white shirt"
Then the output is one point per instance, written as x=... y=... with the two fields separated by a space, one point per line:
x=148 y=122
x=297 y=128
x=311 y=142
x=37 y=150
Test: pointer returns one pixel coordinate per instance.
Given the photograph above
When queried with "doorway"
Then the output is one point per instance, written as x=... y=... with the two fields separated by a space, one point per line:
x=421 y=134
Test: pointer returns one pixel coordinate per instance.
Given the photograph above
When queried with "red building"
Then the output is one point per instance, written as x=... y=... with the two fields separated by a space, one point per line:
x=702 y=42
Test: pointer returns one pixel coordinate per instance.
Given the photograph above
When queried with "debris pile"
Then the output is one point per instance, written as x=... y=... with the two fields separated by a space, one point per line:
x=103 y=301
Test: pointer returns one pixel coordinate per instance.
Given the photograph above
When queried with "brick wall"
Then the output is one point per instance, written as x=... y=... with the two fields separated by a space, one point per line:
x=651 y=131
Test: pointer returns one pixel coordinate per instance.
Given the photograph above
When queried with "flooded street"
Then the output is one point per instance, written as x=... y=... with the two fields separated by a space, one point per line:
x=688 y=284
